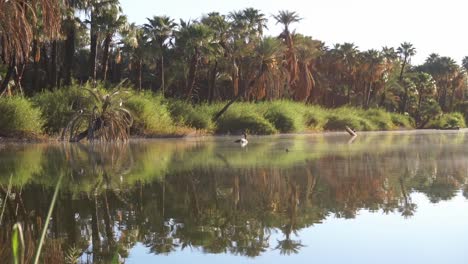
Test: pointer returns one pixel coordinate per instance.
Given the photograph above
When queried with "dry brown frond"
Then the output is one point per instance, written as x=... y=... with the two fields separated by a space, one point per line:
x=18 y=19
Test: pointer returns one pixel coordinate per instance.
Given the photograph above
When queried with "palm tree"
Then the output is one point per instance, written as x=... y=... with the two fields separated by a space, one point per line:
x=426 y=88
x=307 y=50
x=373 y=69
x=406 y=51
x=286 y=18
x=96 y=10
x=390 y=56
x=196 y=41
x=135 y=44
x=345 y=66
x=246 y=32
x=465 y=63
x=221 y=31
x=266 y=59
x=159 y=30
x=111 y=22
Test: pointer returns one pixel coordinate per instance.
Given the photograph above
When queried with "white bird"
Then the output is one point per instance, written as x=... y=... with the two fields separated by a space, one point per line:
x=243 y=141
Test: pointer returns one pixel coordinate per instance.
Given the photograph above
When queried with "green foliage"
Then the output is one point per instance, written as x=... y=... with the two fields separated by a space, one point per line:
x=285 y=116
x=58 y=106
x=315 y=117
x=339 y=122
x=463 y=108
x=448 y=120
x=196 y=117
x=402 y=121
x=237 y=120
x=151 y=115
x=19 y=117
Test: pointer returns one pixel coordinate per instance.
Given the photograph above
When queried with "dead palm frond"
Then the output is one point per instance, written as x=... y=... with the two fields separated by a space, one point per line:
x=18 y=19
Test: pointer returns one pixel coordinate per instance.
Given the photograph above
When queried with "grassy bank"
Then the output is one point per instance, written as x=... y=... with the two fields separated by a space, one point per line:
x=155 y=116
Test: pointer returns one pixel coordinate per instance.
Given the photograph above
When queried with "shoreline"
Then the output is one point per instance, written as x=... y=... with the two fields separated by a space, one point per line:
x=197 y=135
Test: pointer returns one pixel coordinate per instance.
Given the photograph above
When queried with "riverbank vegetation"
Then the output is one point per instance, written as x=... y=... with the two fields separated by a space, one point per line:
x=219 y=73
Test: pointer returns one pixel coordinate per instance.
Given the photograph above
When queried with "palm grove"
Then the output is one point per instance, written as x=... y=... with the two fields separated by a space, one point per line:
x=51 y=45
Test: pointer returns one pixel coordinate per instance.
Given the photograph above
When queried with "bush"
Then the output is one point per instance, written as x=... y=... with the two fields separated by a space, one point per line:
x=381 y=119
x=284 y=119
x=463 y=108
x=19 y=117
x=448 y=120
x=58 y=106
x=195 y=117
x=402 y=121
x=238 y=121
x=150 y=115
x=336 y=122
x=315 y=117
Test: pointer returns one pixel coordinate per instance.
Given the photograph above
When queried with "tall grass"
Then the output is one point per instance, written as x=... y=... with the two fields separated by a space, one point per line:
x=185 y=114
x=18 y=116
x=58 y=106
x=46 y=224
x=157 y=116
x=448 y=120
x=151 y=115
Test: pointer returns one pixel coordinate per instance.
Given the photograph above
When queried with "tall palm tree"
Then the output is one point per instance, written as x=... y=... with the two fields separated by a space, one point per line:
x=286 y=18
x=372 y=68
x=345 y=60
x=390 y=56
x=135 y=45
x=406 y=51
x=307 y=50
x=196 y=41
x=246 y=32
x=111 y=21
x=159 y=30
x=220 y=27
x=96 y=11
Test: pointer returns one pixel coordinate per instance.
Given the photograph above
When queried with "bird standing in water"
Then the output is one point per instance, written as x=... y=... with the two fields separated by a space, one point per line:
x=243 y=141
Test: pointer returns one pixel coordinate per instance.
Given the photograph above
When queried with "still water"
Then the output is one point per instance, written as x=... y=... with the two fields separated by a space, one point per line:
x=394 y=197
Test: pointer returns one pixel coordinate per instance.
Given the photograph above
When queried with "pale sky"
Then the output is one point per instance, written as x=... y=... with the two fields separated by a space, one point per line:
x=438 y=26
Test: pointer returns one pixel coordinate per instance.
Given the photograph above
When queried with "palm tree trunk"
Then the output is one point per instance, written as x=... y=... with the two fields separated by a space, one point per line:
x=139 y=74
x=69 y=54
x=53 y=66
x=105 y=56
x=162 y=73
x=93 y=52
x=212 y=84
x=36 y=58
x=6 y=80
x=400 y=78
x=192 y=73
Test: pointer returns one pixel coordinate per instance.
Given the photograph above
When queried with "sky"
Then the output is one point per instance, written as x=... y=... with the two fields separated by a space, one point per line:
x=432 y=26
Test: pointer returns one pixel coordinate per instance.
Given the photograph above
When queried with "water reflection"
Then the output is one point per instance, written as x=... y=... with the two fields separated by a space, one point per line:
x=213 y=196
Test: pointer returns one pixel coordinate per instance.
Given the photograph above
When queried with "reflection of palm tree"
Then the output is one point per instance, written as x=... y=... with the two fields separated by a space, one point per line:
x=288 y=246
x=408 y=208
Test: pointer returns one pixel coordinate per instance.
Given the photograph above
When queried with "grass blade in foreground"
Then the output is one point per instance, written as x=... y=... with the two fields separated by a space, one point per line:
x=49 y=214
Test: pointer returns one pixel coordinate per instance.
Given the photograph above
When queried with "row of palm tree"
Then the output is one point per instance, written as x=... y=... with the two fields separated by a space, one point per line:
x=216 y=57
